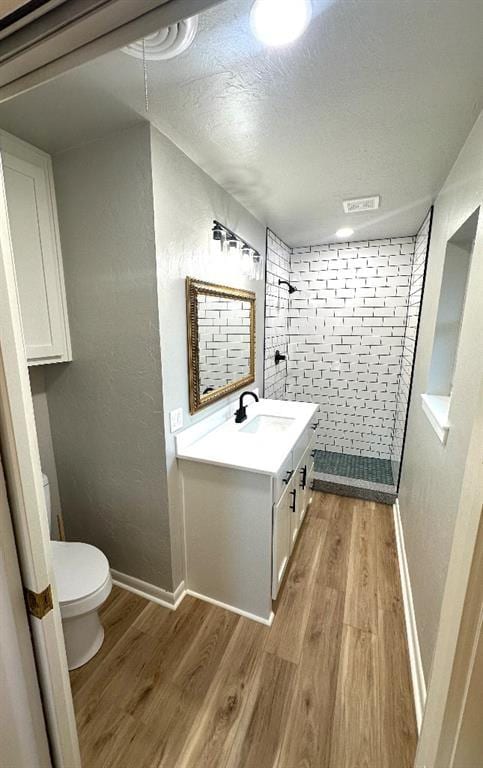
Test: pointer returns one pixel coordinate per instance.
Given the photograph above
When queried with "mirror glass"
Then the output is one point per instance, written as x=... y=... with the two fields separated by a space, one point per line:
x=223 y=341
x=221 y=325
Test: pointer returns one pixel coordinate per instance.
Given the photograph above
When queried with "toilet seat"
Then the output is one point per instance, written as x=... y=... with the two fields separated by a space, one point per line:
x=82 y=577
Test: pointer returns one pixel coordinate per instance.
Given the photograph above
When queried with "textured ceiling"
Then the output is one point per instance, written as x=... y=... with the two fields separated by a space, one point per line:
x=376 y=98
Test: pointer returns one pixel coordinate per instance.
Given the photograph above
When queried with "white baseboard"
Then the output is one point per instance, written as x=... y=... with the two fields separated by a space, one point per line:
x=173 y=599
x=179 y=594
x=149 y=591
x=417 y=673
x=246 y=614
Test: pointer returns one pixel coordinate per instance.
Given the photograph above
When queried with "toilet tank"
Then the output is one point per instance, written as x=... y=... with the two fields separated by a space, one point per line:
x=45 y=483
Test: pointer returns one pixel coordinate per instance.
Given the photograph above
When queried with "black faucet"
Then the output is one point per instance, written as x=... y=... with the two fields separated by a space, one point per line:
x=241 y=413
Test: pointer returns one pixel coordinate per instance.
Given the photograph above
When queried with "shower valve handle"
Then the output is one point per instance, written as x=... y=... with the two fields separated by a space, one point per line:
x=279 y=357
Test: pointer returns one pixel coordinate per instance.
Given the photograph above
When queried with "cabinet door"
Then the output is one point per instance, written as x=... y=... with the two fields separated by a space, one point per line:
x=294 y=505
x=306 y=477
x=302 y=488
x=36 y=250
x=309 y=492
x=281 y=537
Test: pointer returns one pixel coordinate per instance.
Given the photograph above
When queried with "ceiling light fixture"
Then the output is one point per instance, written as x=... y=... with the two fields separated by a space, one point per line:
x=344 y=232
x=280 y=22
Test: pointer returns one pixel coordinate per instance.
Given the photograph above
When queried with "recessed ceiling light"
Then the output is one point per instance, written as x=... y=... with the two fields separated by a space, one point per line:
x=344 y=232
x=277 y=23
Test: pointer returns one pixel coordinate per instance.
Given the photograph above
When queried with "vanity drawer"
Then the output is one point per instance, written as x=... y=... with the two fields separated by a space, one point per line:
x=306 y=439
x=301 y=446
x=281 y=480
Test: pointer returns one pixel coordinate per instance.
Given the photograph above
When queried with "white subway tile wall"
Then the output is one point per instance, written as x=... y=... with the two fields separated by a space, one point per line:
x=409 y=347
x=345 y=333
x=276 y=316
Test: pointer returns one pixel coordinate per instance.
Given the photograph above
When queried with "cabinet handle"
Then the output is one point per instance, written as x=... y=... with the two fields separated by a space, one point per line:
x=293 y=504
x=304 y=477
x=287 y=477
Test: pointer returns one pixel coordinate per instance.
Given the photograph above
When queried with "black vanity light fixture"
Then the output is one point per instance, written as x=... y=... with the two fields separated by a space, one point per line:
x=217 y=232
x=251 y=262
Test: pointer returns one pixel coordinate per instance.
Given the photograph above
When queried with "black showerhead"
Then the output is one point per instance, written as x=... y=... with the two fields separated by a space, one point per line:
x=291 y=288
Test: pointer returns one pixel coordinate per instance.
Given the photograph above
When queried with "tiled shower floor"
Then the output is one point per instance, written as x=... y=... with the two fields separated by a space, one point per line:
x=360 y=476
x=357 y=467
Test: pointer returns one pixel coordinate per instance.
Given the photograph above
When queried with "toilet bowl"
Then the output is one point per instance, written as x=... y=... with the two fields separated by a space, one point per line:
x=83 y=582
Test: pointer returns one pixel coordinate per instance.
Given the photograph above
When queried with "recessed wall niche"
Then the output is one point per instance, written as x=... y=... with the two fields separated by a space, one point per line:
x=456 y=269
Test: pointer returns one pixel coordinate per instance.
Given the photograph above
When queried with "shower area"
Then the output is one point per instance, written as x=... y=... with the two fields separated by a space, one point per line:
x=345 y=339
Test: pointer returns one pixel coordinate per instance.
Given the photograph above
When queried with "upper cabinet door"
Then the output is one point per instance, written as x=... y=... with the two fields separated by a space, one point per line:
x=32 y=215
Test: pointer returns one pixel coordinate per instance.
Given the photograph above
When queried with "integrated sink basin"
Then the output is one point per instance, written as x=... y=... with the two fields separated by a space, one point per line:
x=260 y=444
x=268 y=425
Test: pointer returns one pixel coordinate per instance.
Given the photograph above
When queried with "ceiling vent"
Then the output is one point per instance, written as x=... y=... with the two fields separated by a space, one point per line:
x=166 y=43
x=362 y=204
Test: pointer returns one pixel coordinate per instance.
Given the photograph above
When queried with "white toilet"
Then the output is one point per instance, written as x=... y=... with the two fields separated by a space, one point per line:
x=83 y=582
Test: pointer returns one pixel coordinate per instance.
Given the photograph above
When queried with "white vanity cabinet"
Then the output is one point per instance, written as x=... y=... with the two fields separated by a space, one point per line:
x=244 y=500
x=289 y=511
x=32 y=215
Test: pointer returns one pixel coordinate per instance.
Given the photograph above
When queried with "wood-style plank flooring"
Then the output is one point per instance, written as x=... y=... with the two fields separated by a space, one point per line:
x=327 y=686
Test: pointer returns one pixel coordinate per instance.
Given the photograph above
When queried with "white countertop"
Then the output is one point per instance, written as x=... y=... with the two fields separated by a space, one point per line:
x=228 y=446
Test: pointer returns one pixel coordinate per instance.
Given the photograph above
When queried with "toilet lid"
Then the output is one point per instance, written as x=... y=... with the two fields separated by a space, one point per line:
x=79 y=569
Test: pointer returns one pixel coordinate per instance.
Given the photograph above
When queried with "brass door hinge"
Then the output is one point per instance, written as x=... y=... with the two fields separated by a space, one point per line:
x=39 y=603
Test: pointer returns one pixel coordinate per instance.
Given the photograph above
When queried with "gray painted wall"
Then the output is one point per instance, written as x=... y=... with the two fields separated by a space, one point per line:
x=432 y=473
x=44 y=436
x=186 y=200
x=106 y=406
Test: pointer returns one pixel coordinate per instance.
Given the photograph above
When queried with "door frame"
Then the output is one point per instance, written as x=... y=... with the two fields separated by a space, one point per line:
x=21 y=461
x=459 y=618
x=23 y=733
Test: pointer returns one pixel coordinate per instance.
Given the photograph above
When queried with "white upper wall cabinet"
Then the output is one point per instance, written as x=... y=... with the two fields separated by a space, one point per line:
x=32 y=214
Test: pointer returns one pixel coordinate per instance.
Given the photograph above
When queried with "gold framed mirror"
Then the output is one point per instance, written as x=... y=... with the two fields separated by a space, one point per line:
x=221 y=341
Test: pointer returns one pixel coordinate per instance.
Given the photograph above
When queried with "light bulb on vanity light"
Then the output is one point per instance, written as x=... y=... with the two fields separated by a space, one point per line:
x=344 y=232
x=258 y=266
x=246 y=261
x=280 y=22
x=232 y=244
